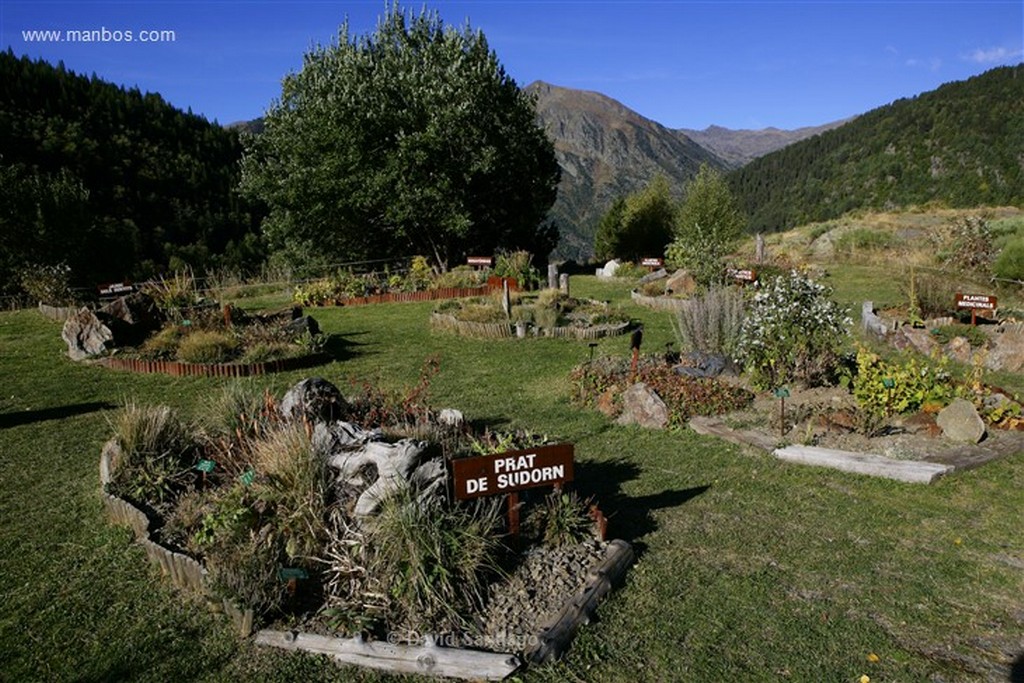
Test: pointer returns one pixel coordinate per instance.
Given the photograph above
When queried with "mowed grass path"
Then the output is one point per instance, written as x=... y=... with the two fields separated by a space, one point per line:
x=749 y=569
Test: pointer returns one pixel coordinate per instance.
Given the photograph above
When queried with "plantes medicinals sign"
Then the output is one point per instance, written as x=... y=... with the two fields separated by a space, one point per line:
x=491 y=475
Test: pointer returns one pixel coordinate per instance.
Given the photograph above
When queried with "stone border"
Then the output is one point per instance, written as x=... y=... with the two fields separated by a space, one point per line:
x=445 y=321
x=57 y=313
x=185 y=572
x=429 y=659
x=659 y=303
x=180 y=369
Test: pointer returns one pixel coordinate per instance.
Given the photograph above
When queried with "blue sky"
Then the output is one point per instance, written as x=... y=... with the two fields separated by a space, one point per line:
x=683 y=63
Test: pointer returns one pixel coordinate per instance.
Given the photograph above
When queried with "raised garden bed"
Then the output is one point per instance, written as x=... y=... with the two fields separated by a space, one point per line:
x=659 y=303
x=229 y=515
x=179 y=369
x=548 y=314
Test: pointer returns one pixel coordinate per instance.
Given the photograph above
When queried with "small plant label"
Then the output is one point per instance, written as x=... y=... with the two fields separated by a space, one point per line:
x=205 y=466
x=491 y=475
x=247 y=477
x=292 y=573
x=782 y=392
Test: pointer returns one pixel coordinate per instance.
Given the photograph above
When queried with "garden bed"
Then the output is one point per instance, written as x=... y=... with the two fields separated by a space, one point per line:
x=279 y=510
x=659 y=303
x=180 y=369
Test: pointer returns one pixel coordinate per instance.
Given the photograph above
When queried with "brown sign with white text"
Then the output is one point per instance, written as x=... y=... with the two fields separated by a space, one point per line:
x=982 y=302
x=492 y=475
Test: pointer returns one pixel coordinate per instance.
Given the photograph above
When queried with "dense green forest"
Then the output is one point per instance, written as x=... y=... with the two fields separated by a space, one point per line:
x=113 y=182
x=961 y=145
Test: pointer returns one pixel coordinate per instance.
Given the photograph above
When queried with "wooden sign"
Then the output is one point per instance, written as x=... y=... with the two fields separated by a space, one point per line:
x=492 y=475
x=982 y=302
x=742 y=274
x=116 y=289
x=652 y=262
x=479 y=261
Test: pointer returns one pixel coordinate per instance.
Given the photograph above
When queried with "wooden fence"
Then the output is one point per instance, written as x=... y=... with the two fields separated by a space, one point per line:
x=185 y=572
x=180 y=369
x=58 y=313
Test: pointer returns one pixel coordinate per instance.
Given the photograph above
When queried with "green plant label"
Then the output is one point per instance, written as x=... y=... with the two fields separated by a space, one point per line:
x=247 y=477
x=782 y=392
x=186 y=323
x=289 y=573
x=888 y=382
x=206 y=466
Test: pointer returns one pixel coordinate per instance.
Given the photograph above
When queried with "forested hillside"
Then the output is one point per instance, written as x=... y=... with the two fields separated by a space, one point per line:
x=113 y=182
x=961 y=145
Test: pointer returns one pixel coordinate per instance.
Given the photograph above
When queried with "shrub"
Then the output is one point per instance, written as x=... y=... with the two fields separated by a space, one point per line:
x=316 y=292
x=434 y=560
x=175 y=292
x=157 y=451
x=163 y=344
x=1010 y=262
x=945 y=333
x=711 y=323
x=935 y=294
x=793 y=332
x=207 y=347
x=684 y=396
x=48 y=284
x=915 y=383
x=863 y=239
x=656 y=288
x=420 y=274
x=461 y=276
x=262 y=352
x=518 y=264
x=633 y=271
x=965 y=243
x=566 y=519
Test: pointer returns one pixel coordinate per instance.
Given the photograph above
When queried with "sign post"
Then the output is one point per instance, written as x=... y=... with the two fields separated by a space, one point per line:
x=479 y=261
x=512 y=472
x=976 y=302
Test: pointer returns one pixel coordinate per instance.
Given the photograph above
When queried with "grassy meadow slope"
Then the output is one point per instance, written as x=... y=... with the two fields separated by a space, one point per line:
x=749 y=568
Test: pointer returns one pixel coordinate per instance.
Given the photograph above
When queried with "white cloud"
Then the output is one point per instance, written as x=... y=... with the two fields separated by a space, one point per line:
x=992 y=55
x=934 y=64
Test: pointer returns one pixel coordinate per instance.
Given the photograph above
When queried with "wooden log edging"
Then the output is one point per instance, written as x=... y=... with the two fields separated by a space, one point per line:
x=911 y=471
x=445 y=321
x=412 y=297
x=57 y=313
x=428 y=659
x=184 y=572
x=181 y=369
x=659 y=303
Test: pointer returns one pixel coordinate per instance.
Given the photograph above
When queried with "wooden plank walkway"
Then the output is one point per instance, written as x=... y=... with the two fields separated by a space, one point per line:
x=913 y=471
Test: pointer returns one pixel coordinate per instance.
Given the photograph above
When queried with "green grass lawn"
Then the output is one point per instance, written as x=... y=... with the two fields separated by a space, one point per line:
x=749 y=568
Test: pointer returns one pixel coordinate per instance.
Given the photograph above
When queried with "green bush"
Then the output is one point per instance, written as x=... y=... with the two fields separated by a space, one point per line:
x=461 y=276
x=204 y=346
x=49 y=285
x=518 y=265
x=863 y=240
x=163 y=344
x=1010 y=262
x=916 y=383
x=157 y=451
x=793 y=332
x=945 y=333
x=633 y=271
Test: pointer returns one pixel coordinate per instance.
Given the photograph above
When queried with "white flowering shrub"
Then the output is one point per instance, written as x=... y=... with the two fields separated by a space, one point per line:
x=48 y=284
x=793 y=332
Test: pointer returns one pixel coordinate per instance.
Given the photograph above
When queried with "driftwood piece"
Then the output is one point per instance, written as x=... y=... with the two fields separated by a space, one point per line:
x=555 y=637
x=426 y=659
x=913 y=471
x=710 y=426
x=394 y=464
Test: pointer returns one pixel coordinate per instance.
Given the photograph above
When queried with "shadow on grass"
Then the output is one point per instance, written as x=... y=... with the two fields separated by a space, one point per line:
x=1017 y=669
x=57 y=413
x=629 y=517
x=341 y=347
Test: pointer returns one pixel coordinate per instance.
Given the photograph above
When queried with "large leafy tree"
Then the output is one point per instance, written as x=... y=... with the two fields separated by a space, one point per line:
x=409 y=140
x=638 y=225
x=708 y=222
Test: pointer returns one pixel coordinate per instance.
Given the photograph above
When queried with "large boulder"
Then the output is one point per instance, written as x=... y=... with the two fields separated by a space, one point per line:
x=654 y=276
x=610 y=268
x=131 y=318
x=960 y=421
x=642 y=406
x=86 y=335
x=314 y=400
x=305 y=324
x=681 y=282
x=697 y=364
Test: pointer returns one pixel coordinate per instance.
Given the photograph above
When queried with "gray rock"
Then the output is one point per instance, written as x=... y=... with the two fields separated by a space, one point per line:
x=86 y=335
x=331 y=438
x=642 y=406
x=609 y=268
x=681 y=282
x=305 y=324
x=450 y=417
x=655 y=275
x=960 y=422
x=702 y=365
x=314 y=399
